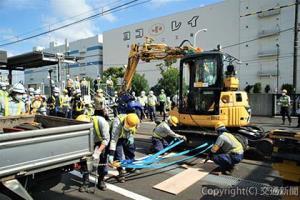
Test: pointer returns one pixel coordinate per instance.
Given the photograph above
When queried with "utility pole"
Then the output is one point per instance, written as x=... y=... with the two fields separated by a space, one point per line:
x=277 y=73
x=295 y=46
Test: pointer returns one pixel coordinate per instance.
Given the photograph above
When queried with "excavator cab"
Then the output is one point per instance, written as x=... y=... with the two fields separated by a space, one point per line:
x=209 y=93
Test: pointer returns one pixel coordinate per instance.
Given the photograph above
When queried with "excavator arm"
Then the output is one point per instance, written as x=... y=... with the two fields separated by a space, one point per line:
x=152 y=51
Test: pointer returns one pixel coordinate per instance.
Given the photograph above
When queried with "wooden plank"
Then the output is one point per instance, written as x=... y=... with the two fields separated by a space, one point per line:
x=181 y=181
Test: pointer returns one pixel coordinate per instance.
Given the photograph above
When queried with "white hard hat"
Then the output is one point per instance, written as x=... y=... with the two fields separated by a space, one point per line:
x=56 y=90
x=37 y=92
x=143 y=92
x=30 y=89
x=18 y=88
x=151 y=92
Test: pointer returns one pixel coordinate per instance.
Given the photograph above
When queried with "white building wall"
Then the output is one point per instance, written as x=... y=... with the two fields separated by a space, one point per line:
x=91 y=66
x=226 y=25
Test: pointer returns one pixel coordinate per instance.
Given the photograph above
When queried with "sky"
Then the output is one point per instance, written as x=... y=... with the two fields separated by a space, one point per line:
x=23 y=18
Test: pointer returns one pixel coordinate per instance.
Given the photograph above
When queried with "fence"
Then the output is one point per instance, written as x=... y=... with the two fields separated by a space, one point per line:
x=267 y=104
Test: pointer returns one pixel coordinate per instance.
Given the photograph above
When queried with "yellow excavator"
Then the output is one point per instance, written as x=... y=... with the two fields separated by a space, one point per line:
x=208 y=91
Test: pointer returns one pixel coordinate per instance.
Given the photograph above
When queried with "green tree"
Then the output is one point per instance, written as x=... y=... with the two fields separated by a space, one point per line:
x=169 y=81
x=139 y=83
x=257 y=88
x=115 y=73
x=289 y=88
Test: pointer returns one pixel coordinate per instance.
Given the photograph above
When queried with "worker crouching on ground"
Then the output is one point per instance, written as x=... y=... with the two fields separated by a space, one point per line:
x=227 y=151
x=102 y=138
x=124 y=128
x=12 y=105
x=162 y=131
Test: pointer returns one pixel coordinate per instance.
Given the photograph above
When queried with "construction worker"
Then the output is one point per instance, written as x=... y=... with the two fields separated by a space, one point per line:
x=43 y=108
x=37 y=102
x=77 y=104
x=66 y=104
x=76 y=83
x=298 y=111
x=168 y=104
x=3 y=90
x=143 y=100
x=53 y=102
x=133 y=95
x=175 y=99
x=28 y=100
x=84 y=87
x=115 y=103
x=88 y=109
x=227 y=150
x=110 y=86
x=12 y=105
x=162 y=103
x=152 y=101
x=101 y=138
x=70 y=86
x=285 y=103
x=97 y=83
x=99 y=101
x=162 y=131
x=122 y=144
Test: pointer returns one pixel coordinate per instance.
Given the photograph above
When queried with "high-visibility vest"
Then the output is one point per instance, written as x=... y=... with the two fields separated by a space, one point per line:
x=239 y=146
x=65 y=101
x=162 y=97
x=285 y=101
x=155 y=134
x=35 y=105
x=97 y=128
x=79 y=106
x=6 y=111
x=122 y=118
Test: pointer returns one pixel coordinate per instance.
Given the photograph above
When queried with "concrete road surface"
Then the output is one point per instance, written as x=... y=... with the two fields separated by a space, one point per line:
x=255 y=178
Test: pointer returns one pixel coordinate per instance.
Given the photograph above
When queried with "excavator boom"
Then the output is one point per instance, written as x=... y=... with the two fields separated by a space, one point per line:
x=152 y=51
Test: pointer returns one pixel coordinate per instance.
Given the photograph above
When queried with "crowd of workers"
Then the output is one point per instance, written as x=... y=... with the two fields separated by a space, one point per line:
x=114 y=139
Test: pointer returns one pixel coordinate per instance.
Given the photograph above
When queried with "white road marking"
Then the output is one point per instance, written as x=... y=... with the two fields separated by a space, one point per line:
x=115 y=188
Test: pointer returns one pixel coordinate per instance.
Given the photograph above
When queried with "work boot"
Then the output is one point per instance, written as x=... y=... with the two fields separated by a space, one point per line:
x=216 y=171
x=121 y=176
x=85 y=188
x=101 y=185
x=132 y=170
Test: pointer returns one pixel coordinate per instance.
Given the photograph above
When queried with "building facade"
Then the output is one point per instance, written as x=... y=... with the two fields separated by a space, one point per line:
x=247 y=29
x=90 y=49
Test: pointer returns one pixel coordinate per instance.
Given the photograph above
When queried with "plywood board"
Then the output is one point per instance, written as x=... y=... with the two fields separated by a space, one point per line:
x=181 y=181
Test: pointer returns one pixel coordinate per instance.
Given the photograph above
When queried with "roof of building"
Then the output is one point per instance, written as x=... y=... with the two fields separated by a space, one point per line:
x=37 y=59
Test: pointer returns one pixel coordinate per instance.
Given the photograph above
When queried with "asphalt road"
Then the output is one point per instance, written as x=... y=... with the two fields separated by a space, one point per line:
x=248 y=174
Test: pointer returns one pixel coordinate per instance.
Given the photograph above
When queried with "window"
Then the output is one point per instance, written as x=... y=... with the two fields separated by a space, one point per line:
x=94 y=48
x=206 y=71
x=238 y=97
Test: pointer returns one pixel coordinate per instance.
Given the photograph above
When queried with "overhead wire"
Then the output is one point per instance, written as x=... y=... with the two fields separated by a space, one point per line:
x=108 y=11
x=61 y=21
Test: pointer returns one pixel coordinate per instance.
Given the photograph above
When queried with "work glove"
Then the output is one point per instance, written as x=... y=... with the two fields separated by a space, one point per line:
x=110 y=159
x=96 y=154
x=182 y=137
x=130 y=140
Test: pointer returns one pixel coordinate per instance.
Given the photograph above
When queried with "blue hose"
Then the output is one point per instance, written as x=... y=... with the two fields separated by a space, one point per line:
x=176 y=155
x=153 y=157
x=162 y=165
